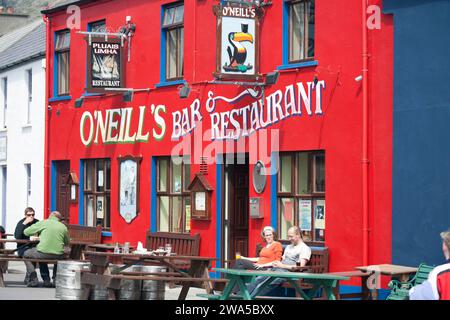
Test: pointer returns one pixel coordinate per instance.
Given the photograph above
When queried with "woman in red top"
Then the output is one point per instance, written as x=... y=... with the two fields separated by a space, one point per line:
x=271 y=252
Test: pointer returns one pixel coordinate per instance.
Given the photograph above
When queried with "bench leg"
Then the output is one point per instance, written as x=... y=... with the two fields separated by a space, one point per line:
x=3 y=265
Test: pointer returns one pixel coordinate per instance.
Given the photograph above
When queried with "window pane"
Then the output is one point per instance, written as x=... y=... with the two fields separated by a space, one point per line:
x=287 y=216
x=303 y=174
x=187 y=212
x=319 y=163
x=98 y=26
x=319 y=220
x=180 y=53
x=163 y=214
x=108 y=175
x=100 y=176
x=162 y=169
x=89 y=210
x=187 y=176
x=171 y=71
x=177 y=215
x=62 y=41
x=176 y=178
x=168 y=16
x=179 y=13
x=286 y=173
x=305 y=218
x=63 y=72
x=311 y=28
x=107 y=223
x=89 y=176
x=297 y=29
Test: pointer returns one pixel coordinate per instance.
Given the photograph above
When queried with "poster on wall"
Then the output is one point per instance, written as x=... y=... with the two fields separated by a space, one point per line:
x=319 y=215
x=305 y=214
x=105 y=67
x=129 y=188
x=100 y=208
x=238 y=41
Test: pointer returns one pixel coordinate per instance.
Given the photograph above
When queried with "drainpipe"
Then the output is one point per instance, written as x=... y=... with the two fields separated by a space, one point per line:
x=365 y=142
x=46 y=135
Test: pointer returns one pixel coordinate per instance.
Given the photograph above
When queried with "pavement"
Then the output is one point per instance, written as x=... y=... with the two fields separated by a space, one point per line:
x=16 y=290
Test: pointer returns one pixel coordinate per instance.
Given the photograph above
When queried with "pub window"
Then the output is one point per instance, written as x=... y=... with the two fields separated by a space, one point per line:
x=173 y=32
x=98 y=26
x=173 y=197
x=62 y=61
x=97 y=192
x=301 y=29
x=4 y=84
x=29 y=77
x=301 y=194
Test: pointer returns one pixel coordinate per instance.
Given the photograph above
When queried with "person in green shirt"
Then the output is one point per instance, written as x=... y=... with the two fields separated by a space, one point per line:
x=53 y=236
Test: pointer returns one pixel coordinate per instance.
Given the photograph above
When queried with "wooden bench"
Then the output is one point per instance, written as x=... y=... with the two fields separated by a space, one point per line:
x=80 y=236
x=182 y=244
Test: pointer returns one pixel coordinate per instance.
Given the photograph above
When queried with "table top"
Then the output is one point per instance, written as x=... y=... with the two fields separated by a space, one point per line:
x=147 y=256
x=107 y=246
x=287 y=275
x=20 y=241
x=388 y=269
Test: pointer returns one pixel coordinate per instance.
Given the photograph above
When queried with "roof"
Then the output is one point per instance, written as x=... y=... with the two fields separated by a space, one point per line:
x=22 y=44
x=10 y=38
x=62 y=5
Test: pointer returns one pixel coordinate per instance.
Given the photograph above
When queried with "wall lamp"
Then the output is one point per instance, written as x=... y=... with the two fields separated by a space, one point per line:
x=127 y=93
x=184 y=91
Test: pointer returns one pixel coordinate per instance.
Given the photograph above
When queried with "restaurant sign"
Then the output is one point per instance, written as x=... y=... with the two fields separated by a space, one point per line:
x=238 y=41
x=105 y=67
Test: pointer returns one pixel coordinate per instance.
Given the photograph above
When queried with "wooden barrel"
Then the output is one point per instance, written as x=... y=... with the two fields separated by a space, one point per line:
x=68 y=280
x=153 y=289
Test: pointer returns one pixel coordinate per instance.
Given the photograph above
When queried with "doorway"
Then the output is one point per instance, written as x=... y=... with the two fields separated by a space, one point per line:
x=236 y=212
x=62 y=188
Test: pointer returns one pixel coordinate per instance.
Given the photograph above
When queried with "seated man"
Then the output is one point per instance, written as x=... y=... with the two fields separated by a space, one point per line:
x=437 y=287
x=296 y=254
x=24 y=223
x=53 y=236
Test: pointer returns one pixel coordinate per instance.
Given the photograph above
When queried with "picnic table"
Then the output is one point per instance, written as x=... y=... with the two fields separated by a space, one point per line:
x=197 y=272
x=395 y=271
x=241 y=277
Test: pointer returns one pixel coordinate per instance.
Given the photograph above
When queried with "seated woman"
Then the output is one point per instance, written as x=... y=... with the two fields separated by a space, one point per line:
x=270 y=253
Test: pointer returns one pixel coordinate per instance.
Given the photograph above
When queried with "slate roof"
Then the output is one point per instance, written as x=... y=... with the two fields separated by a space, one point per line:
x=23 y=44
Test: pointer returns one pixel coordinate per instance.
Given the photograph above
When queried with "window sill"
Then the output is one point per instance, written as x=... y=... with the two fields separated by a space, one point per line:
x=28 y=125
x=87 y=94
x=4 y=130
x=106 y=234
x=60 y=98
x=298 y=65
x=169 y=83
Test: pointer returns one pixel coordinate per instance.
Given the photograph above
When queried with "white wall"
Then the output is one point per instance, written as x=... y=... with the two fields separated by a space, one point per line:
x=25 y=142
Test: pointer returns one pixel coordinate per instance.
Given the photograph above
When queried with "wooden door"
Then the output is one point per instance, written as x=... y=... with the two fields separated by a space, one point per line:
x=62 y=188
x=238 y=214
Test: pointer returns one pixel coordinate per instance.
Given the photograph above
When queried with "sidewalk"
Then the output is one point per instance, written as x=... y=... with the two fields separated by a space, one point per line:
x=16 y=289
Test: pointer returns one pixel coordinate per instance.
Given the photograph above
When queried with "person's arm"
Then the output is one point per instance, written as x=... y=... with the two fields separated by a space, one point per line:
x=34 y=229
x=250 y=259
x=66 y=238
x=18 y=233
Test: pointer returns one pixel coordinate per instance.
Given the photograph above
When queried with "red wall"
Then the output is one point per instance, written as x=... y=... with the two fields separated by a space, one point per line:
x=338 y=131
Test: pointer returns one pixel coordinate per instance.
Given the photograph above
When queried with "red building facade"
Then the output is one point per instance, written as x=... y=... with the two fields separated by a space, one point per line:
x=308 y=134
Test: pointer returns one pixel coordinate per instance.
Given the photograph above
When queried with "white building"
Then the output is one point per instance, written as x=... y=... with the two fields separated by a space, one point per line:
x=22 y=123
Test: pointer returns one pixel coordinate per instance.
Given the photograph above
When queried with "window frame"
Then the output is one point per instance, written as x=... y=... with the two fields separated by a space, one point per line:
x=57 y=64
x=297 y=196
x=93 y=191
x=165 y=30
x=305 y=53
x=184 y=194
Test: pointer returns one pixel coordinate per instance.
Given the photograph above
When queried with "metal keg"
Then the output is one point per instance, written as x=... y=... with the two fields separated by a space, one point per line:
x=99 y=293
x=68 y=280
x=131 y=289
x=153 y=289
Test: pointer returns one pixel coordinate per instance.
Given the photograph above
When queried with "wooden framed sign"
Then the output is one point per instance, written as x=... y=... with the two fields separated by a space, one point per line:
x=237 y=41
x=201 y=192
x=129 y=181
x=105 y=64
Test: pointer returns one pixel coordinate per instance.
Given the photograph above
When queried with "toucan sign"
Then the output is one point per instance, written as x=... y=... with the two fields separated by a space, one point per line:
x=238 y=41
